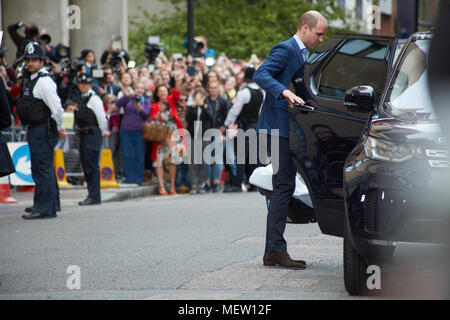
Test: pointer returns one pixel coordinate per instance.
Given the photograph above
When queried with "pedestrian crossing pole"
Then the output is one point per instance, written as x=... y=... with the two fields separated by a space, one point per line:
x=190 y=19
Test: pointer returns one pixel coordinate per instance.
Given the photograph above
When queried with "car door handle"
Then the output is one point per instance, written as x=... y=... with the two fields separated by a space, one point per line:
x=304 y=107
x=326 y=111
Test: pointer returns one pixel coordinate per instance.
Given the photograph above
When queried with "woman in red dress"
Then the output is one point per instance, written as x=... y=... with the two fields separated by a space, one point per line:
x=164 y=110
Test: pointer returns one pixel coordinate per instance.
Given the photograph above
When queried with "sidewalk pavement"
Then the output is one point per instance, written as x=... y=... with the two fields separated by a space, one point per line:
x=75 y=194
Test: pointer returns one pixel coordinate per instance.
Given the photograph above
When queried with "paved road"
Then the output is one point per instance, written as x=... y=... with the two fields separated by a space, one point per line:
x=179 y=247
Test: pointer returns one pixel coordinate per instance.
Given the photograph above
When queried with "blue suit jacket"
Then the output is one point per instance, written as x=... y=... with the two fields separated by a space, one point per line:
x=284 y=64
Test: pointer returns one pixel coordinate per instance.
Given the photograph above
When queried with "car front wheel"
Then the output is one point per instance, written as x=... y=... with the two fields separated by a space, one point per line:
x=355 y=267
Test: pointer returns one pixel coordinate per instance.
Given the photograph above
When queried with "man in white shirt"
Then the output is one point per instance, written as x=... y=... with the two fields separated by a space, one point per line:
x=91 y=125
x=41 y=112
x=245 y=112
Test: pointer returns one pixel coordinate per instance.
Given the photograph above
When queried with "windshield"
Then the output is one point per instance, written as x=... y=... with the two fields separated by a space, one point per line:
x=408 y=96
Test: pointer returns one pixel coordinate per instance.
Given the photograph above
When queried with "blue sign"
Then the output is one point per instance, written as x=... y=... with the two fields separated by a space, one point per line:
x=22 y=162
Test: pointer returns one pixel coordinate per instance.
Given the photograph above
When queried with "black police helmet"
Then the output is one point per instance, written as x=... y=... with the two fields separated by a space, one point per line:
x=249 y=72
x=34 y=50
x=84 y=78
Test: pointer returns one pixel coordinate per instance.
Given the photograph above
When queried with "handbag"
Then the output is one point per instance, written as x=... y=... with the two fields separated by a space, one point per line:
x=6 y=164
x=155 y=132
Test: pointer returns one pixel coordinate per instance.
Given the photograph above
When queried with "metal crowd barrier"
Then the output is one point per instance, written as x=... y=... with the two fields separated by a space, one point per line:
x=70 y=147
x=14 y=134
x=71 y=153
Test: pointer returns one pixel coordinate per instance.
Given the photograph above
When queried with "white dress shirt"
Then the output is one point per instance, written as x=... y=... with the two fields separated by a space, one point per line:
x=302 y=47
x=96 y=105
x=242 y=98
x=45 y=89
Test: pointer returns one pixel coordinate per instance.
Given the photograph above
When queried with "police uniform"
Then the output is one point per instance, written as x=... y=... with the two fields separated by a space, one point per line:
x=245 y=112
x=41 y=112
x=90 y=124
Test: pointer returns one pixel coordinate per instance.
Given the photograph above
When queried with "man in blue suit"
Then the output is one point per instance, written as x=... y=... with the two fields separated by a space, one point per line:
x=285 y=64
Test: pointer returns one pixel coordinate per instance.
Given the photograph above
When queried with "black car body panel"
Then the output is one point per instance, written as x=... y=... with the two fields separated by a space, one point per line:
x=373 y=154
x=397 y=201
x=380 y=171
x=321 y=141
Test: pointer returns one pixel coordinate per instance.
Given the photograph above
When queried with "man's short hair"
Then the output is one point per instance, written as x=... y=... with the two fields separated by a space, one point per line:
x=310 y=18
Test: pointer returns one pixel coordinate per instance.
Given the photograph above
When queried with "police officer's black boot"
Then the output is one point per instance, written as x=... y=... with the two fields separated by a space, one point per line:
x=89 y=202
x=31 y=209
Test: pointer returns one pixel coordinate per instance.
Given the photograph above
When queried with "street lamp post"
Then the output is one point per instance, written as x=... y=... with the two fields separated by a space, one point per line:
x=190 y=19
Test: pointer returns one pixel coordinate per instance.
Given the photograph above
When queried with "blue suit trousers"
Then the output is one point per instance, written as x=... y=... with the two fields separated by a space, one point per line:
x=283 y=187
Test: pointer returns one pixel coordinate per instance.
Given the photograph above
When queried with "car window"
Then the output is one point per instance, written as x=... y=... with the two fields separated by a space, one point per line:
x=408 y=96
x=357 y=62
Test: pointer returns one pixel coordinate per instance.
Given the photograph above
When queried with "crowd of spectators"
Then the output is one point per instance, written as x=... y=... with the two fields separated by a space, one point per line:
x=170 y=89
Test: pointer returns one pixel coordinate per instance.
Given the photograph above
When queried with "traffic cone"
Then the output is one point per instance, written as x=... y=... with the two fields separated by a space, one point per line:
x=25 y=189
x=5 y=195
x=107 y=173
x=60 y=168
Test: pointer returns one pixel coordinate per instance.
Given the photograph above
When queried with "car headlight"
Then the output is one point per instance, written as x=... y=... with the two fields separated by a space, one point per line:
x=388 y=151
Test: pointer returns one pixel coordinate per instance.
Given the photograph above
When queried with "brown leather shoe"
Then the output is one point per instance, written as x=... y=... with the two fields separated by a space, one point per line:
x=282 y=260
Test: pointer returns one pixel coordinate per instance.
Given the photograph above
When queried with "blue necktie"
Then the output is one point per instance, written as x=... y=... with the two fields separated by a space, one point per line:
x=305 y=54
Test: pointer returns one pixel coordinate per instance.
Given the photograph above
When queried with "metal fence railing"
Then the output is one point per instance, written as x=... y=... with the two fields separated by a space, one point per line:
x=71 y=152
x=70 y=148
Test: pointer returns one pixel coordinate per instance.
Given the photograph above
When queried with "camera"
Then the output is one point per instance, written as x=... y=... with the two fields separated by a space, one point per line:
x=116 y=59
x=78 y=65
x=153 y=48
x=70 y=68
x=137 y=98
x=200 y=45
x=151 y=52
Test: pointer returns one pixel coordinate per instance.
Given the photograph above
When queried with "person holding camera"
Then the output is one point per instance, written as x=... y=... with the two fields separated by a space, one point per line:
x=67 y=88
x=136 y=110
x=106 y=85
x=91 y=125
x=115 y=57
x=31 y=35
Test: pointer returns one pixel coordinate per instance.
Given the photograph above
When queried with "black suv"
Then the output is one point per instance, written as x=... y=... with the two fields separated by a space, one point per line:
x=372 y=155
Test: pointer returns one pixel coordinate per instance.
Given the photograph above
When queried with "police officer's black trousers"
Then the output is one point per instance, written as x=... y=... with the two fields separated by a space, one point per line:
x=42 y=141
x=90 y=146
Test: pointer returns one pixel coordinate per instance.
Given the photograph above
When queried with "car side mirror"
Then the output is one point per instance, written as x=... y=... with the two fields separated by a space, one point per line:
x=359 y=99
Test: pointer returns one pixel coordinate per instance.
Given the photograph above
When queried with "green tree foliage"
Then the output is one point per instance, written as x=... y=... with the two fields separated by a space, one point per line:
x=236 y=27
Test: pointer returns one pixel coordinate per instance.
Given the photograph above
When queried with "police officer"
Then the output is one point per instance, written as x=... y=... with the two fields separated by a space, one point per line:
x=245 y=112
x=91 y=125
x=40 y=111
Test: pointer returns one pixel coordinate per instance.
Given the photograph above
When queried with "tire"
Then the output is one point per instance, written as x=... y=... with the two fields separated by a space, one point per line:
x=355 y=268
